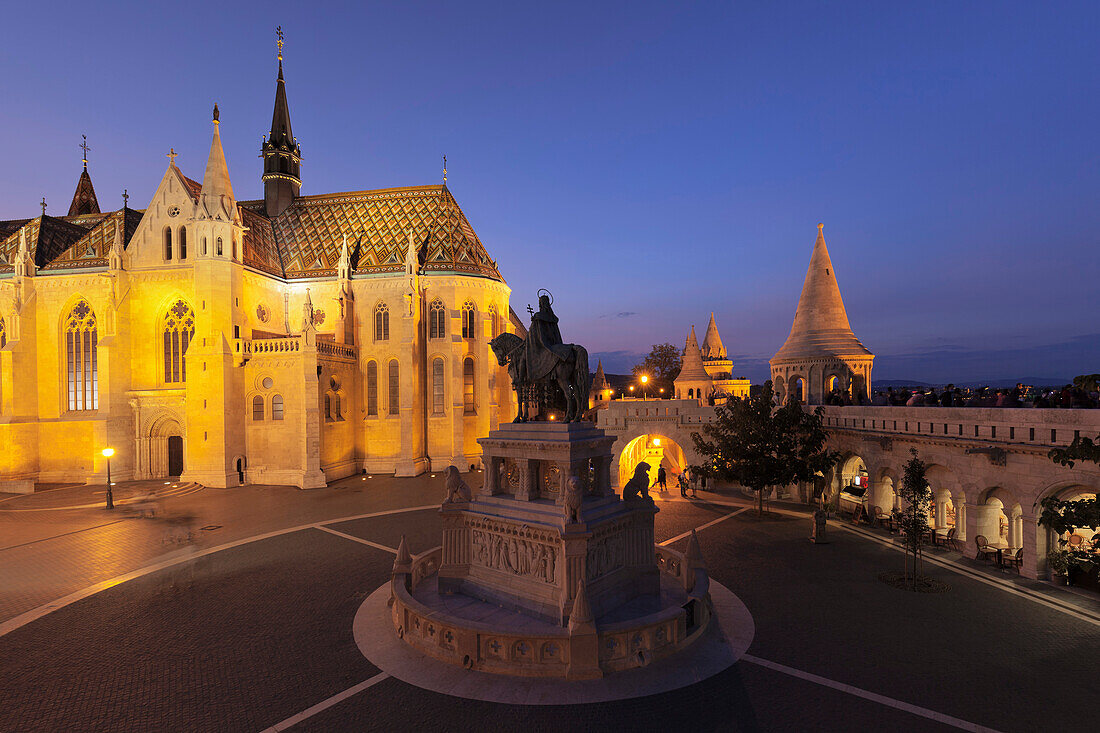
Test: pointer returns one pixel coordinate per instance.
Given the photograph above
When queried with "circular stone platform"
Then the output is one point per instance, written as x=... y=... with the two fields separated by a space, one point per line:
x=726 y=638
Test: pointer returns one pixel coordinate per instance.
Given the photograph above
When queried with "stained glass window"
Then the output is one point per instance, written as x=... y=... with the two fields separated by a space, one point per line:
x=81 y=352
x=179 y=329
x=395 y=388
x=436 y=323
x=437 y=387
x=381 y=322
x=468 y=403
x=468 y=314
x=372 y=388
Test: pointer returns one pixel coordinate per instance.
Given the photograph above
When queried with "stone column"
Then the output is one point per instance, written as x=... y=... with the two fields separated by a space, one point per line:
x=527 y=488
x=491 y=485
x=960 y=519
x=1035 y=559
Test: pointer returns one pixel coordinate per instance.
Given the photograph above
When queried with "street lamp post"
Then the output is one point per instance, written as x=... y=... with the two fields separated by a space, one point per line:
x=644 y=379
x=107 y=453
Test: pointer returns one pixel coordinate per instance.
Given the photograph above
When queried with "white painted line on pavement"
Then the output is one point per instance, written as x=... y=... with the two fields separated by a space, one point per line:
x=980 y=577
x=874 y=697
x=375 y=545
x=711 y=523
x=326 y=704
x=34 y=614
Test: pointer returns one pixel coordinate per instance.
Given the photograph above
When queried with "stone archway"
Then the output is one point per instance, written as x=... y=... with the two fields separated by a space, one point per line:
x=656 y=450
x=161 y=450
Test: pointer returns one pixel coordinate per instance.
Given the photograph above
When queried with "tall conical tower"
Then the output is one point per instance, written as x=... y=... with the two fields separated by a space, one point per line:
x=214 y=383
x=715 y=361
x=280 y=151
x=692 y=382
x=84 y=200
x=821 y=349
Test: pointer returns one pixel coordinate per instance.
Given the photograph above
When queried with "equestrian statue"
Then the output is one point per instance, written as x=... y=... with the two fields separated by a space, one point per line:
x=542 y=360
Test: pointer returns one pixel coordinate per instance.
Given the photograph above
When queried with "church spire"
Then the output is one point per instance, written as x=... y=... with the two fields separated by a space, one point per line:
x=84 y=200
x=280 y=151
x=216 y=198
x=712 y=342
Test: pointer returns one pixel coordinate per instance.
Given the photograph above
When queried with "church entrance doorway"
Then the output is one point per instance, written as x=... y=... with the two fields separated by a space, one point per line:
x=175 y=455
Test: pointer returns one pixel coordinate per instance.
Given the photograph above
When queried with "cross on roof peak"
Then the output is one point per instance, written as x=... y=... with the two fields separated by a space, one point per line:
x=171 y=155
x=85 y=148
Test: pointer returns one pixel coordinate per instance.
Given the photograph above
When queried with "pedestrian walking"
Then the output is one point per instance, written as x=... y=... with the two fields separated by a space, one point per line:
x=682 y=479
x=661 y=479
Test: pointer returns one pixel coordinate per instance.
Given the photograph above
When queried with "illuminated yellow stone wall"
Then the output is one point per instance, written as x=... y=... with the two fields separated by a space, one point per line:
x=213 y=410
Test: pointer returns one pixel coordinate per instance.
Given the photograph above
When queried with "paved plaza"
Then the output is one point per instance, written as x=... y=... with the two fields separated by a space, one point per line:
x=246 y=624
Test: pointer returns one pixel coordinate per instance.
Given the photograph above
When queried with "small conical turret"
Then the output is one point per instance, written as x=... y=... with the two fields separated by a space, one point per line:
x=581 y=615
x=216 y=200
x=84 y=200
x=599 y=383
x=691 y=367
x=403 y=562
x=712 y=342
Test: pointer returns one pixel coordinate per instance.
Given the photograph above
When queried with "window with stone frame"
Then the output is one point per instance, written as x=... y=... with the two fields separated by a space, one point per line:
x=394 y=406
x=218 y=246
x=82 y=357
x=258 y=408
x=277 y=407
x=372 y=388
x=469 y=316
x=494 y=321
x=3 y=334
x=328 y=407
x=381 y=322
x=168 y=243
x=469 y=404
x=337 y=412
x=183 y=243
x=437 y=386
x=179 y=329
x=437 y=324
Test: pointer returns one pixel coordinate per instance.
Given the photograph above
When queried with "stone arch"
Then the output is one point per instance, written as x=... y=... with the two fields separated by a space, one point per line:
x=999 y=517
x=680 y=438
x=657 y=450
x=799 y=388
x=155 y=454
x=884 y=490
x=779 y=387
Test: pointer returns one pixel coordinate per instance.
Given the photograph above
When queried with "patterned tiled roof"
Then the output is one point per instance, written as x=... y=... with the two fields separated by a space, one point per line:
x=260 y=249
x=47 y=238
x=92 y=249
x=310 y=232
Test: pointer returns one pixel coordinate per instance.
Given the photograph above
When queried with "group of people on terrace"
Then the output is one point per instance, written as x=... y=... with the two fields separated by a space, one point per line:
x=1076 y=396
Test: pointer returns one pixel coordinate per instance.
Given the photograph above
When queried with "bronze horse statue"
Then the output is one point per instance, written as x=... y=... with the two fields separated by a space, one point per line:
x=570 y=373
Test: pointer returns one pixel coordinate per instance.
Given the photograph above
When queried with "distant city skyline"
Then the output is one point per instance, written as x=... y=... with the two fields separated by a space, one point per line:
x=674 y=160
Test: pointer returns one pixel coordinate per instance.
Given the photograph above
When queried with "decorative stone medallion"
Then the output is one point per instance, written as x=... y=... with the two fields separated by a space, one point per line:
x=262 y=313
x=318 y=316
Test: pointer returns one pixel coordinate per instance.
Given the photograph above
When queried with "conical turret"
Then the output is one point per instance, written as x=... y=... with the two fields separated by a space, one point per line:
x=216 y=199
x=712 y=342
x=820 y=325
x=691 y=367
x=84 y=200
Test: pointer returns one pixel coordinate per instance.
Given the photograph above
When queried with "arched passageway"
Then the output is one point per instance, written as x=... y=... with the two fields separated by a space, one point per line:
x=656 y=450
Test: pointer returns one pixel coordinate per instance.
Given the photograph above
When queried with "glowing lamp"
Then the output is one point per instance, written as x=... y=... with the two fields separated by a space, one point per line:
x=108 y=452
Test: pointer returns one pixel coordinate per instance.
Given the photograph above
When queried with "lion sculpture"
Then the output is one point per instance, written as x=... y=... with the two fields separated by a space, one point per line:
x=574 y=497
x=637 y=488
x=457 y=489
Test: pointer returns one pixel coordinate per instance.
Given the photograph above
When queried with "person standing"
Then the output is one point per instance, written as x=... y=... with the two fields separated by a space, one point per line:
x=662 y=477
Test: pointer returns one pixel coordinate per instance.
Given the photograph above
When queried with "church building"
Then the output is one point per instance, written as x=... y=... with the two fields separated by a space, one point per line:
x=294 y=340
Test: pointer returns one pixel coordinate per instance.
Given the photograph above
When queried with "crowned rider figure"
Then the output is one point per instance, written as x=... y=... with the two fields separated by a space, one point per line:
x=543 y=336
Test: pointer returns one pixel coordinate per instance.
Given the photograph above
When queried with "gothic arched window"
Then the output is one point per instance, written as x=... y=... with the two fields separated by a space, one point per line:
x=82 y=364
x=183 y=243
x=258 y=408
x=218 y=246
x=328 y=408
x=3 y=334
x=204 y=246
x=436 y=323
x=395 y=388
x=494 y=323
x=468 y=318
x=381 y=322
x=437 y=386
x=469 y=405
x=372 y=388
x=167 y=243
x=277 y=407
x=179 y=328
x=337 y=413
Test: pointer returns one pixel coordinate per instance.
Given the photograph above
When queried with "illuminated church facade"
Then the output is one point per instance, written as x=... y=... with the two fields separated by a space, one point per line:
x=289 y=340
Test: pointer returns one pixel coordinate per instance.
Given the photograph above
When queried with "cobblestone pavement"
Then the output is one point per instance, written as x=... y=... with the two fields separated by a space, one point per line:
x=241 y=639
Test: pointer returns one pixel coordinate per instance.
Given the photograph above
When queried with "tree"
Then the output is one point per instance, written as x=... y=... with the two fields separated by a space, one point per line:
x=1062 y=516
x=757 y=445
x=1081 y=449
x=917 y=495
x=662 y=363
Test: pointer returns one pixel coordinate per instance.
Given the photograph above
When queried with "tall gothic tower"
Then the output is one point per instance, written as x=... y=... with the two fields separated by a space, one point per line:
x=281 y=153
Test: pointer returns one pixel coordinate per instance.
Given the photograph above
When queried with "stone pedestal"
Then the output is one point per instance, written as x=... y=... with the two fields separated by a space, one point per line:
x=519 y=544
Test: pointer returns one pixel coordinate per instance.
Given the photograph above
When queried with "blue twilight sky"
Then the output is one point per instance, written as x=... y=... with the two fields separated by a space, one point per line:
x=666 y=159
